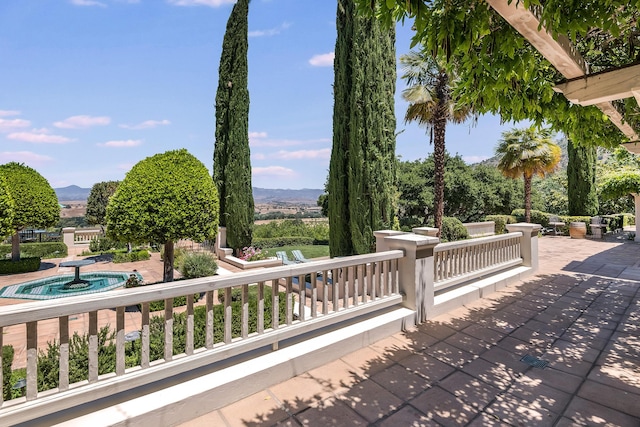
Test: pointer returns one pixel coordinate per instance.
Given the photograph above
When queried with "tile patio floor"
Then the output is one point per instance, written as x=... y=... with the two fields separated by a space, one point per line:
x=580 y=314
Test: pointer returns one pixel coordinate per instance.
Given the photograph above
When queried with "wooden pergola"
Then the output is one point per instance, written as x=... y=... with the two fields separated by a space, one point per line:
x=580 y=87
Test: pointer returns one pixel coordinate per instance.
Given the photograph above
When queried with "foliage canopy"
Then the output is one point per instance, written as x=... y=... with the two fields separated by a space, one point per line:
x=98 y=199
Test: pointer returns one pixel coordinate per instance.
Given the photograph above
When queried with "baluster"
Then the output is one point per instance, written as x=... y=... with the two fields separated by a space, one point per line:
x=260 y=319
x=144 y=360
x=63 y=375
x=275 y=309
x=228 y=315
x=314 y=295
x=355 y=279
x=189 y=344
x=209 y=327
x=365 y=273
x=385 y=274
x=335 y=283
x=289 y=300
x=93 y=346
x=302 y=288
x=120 y=340
x=325 y=292
x=32 y=360
x=372 y=272
x=168 y=329
x=245 y=311
x=394 y=276
x=344 y=285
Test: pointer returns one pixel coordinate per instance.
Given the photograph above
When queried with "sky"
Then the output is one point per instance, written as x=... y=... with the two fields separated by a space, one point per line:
x=90 y=87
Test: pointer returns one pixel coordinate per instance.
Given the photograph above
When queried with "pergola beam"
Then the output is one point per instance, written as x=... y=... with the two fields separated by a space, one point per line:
x=604 y=87
x=558 y=51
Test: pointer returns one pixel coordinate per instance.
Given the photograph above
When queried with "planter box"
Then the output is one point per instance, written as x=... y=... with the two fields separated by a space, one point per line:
x=246 y=265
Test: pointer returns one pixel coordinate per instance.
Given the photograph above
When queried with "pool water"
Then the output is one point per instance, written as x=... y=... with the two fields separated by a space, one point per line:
x=53 y=287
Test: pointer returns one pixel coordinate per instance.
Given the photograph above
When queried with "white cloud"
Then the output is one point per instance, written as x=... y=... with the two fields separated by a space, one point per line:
x=258 y=156
x=9 y=125
x=39 y=136
x=322 y=60
x=7 y=113
x=261 y=142
x=474 y=159
x=148 y=124
x=82 y=122
x=278 y=171
x=210 y=3
x=270 y=32
x=125 y=166
x=324 y=153
x=87 y=3
x=24 y=157
x=122 y=143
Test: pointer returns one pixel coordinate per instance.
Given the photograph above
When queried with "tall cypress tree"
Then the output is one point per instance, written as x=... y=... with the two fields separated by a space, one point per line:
x=363 y=163
x=581 y=180
x=231 y=156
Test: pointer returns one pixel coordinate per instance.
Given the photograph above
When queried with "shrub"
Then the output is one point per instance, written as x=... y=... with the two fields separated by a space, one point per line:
x=139 y=255
x=252 y=254
x=104 y=244
x=501 y=222
x=197 y=264
x=452 y=230
x=40 y=250
x=537 y=217
x=25 y=265
x=7 y=360
x=177 y=302
x=276 y=242
x=133 y=281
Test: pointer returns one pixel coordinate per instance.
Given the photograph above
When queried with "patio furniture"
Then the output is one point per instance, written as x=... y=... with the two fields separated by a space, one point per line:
x=297 y=254
x=554 y=221
x=598 y=227
x=282 y=255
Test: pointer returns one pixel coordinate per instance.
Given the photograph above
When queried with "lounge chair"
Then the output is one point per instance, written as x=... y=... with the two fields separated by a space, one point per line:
x=282 y=255
x=297 y=254
x=555 y=222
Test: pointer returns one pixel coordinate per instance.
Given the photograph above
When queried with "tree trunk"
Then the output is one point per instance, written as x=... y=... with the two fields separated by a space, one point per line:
x=15 y=247
x=439 y=128
x=168 y=261
x=527 y=197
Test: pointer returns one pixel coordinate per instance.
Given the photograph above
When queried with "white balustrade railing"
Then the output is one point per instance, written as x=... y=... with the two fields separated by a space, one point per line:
x=457 y=262
x=308 y=297
x=87 y=235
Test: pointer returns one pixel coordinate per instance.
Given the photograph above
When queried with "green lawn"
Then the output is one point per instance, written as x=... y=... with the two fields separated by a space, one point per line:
x=310 y=251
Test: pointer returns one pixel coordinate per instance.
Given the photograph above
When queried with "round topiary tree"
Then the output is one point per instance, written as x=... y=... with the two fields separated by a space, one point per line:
x=162 y=199
x=36 y=204
x=7 y=209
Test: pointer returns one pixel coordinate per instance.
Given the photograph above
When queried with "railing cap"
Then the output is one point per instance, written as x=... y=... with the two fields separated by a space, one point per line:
x=426 y=231
x=416 y=241
x=525 y=227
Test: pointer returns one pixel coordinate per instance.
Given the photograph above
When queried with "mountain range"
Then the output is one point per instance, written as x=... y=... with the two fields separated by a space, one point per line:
x=260 y=195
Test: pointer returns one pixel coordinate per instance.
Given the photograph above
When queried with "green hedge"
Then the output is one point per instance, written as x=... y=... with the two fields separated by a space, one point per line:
x=140 y=255
x=501 y=222
x=40 y=250
x=276 y=242
x=569 y=219
x=177 y=302
x=537 y=217
x=452 y=230
x=25 y=265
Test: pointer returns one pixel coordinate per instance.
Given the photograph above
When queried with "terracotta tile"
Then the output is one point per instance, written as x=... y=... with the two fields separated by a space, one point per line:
x=451 y=355
x=443 y=407
x=438 y=330
x=471 y=390
x=483 y=333
x=499 y=376
x=401 y=381
x=427 y=366
x=371 y=400
x=408 y=416
x=336 y=377
x=620 y=375
x=516 y=411
x=467 y=343
x=536 y=392
x=257 y=408
x=211 y=419
x=586 y=412
x=613 y=398
x=330 y=412
x=486 y=420
x=367 y=361
x=300 y=392
x=392 y=348
x=550 y=377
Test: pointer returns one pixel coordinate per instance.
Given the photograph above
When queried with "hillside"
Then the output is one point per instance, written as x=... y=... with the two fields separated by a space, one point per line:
x=260 y=195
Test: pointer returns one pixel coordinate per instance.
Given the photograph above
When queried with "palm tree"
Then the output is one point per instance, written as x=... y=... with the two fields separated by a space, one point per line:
x=431 y=104
x=527 y=152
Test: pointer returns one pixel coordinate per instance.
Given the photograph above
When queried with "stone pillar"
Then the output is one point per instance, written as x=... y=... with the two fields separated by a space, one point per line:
x=415 y=271
x=529 y=245
x=380 y=235
x=221 y=242
x=68 y=237
x=636 y=198
x=426 y=231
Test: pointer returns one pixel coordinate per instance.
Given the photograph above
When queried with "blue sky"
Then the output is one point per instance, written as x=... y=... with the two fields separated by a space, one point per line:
x=90 y=87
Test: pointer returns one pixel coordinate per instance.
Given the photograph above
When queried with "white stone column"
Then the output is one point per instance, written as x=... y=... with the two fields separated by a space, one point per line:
x=68 y=237
x=380 y=235
x=636 y=198
x=415 y=271
x=529 y=245
x=426 y=231
x=221 y=242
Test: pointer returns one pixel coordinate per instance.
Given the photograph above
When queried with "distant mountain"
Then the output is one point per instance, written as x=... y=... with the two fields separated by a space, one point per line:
x=260 y=195
x=71 y=193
